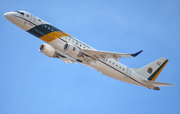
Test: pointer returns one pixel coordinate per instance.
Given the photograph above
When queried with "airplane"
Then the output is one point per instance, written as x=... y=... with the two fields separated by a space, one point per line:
x=71 y=50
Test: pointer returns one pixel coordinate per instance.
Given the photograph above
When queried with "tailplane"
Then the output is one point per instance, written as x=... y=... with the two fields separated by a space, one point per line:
x=152 y=70
x=157 y=83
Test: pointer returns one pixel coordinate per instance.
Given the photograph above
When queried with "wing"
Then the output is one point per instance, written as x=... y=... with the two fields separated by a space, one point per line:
x=102 y=54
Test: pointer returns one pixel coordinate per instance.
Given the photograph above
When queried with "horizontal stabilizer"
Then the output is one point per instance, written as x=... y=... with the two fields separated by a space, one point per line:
x=157 y=83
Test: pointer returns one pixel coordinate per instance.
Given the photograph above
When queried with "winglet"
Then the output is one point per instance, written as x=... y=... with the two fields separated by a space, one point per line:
x=135 y=54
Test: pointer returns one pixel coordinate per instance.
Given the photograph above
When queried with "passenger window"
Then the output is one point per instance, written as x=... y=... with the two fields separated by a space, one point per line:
x=109 y=61
x=116 y=65
x=59 y=33
x=27 y=15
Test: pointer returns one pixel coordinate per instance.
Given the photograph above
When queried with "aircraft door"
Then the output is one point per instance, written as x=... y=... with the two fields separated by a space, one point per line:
x=26 y=21
x=31 y=19
x=128 y=72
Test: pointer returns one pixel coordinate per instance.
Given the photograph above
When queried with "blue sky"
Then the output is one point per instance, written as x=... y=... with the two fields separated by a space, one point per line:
x=32 y=83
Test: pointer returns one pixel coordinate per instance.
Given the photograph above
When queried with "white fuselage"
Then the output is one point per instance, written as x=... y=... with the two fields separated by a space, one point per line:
x=107 y=66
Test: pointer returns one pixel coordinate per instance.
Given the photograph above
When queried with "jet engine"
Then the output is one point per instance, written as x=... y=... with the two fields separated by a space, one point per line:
x=47 y=50
x=72 y=50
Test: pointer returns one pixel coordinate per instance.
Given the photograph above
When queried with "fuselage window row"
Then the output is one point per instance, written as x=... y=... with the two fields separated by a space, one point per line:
x=81 y=44
x=118 y=66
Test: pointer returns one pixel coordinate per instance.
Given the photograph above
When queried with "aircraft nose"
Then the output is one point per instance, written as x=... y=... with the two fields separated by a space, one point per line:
x=7 y=15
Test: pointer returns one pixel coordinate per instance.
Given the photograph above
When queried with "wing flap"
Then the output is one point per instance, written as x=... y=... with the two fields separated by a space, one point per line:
x=64 y=58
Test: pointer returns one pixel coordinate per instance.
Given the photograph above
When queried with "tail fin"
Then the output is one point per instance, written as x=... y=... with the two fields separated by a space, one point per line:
x=152 y=70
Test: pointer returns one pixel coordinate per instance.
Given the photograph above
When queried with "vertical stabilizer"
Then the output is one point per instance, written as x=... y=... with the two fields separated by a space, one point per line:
x=152 y=70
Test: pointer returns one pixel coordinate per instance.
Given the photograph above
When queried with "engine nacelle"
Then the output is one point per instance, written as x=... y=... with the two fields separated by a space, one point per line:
x=47 y=50
x=73 y=50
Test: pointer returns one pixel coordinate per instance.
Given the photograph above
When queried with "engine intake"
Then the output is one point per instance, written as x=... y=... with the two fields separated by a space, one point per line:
x=47 y=50
x=72 y=50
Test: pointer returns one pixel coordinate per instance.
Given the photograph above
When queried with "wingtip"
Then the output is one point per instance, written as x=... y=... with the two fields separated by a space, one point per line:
x=135 y=54
x=171 y=85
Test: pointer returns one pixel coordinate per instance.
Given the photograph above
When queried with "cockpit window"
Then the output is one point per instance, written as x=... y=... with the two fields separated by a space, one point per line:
x=20 y=12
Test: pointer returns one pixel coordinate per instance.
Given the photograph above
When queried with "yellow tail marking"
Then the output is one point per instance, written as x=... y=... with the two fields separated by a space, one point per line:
x=159 y=71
